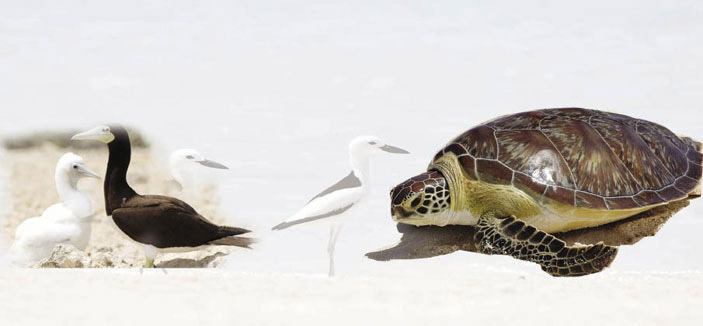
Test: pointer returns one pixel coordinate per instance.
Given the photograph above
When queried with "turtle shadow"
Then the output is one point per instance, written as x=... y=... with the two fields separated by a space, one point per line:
x=431 y=241
x=191 y=263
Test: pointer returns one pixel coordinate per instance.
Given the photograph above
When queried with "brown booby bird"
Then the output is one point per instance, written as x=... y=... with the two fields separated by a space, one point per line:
x=160 y=223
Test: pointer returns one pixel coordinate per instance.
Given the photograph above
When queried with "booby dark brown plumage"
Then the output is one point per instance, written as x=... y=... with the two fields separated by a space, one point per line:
x=158 y=221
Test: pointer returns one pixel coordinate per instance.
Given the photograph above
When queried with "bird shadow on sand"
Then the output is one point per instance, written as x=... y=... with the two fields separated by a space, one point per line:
x=207 y=261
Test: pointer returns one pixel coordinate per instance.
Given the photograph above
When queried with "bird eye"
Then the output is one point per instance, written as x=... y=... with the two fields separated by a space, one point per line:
x=106 y=129
x=75 y=166
x=372 y=143
x=190 y=157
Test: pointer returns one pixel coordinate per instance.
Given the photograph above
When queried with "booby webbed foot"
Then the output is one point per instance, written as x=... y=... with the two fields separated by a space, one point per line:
x=507 y=235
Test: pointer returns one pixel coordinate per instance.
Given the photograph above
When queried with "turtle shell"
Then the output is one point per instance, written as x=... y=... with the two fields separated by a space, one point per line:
x=585 y=158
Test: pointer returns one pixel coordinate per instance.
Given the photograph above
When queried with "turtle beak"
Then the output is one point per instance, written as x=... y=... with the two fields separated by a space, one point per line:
x=394 y=150
x=399 y=213
x=86 y=172
x=97 y=133
x=212 y=164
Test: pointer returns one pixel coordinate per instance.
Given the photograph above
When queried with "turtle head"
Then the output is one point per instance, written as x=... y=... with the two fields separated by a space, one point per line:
x=421 y=200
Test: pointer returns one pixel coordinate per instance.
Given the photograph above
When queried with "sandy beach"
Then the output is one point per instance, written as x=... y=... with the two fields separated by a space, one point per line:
x=185 y=297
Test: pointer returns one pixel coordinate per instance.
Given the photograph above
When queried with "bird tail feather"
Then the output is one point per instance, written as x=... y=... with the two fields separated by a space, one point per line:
x=227 y=231
x=281 y=226
x=229 y=237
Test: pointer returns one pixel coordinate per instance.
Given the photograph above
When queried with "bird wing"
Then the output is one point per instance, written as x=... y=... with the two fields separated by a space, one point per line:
x=26 y=226
x=326 y=206
x=164 y=222
x=52 y=213
x=348 y=182
x=50 y=234
x=36 y=240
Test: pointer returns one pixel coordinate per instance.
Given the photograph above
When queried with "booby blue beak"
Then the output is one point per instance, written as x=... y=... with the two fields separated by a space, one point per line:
x=394 y=150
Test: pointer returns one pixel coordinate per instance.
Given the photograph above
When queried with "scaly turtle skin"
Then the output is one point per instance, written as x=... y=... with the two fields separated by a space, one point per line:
x=520 y=177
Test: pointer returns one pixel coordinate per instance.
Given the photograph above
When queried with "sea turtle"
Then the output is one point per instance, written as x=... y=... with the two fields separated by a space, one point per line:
x=520 y=177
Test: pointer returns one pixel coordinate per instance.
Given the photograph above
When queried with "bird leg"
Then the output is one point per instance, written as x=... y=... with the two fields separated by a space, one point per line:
x=334 y=233
x=150 y=253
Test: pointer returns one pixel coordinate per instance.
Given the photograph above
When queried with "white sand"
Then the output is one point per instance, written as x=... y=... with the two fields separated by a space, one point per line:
x=188 y=297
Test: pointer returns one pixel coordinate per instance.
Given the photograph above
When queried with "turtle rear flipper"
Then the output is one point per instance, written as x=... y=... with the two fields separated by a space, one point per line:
x=511 y=236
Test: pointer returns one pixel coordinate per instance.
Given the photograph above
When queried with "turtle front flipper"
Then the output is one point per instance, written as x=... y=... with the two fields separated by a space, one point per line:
x=507 y=235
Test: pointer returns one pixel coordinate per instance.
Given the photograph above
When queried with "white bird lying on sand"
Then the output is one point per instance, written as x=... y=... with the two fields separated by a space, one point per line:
x=342 y=200
x=65 y=222
x=181 y=159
